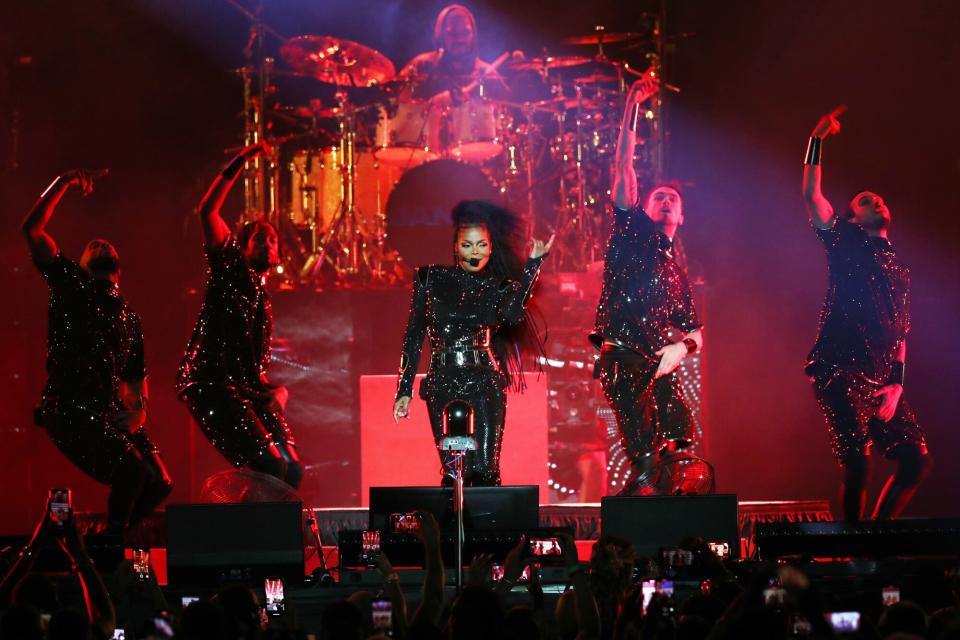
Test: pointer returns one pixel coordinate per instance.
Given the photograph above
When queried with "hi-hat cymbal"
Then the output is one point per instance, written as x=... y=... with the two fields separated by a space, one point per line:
x=337 y=61
x=306 y=112
x=548 y=62
x=563 y=103
x=601 y=37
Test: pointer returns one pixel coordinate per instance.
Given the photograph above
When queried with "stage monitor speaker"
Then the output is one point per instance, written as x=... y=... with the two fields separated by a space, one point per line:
x=513 y=508
x=654 y=522
x=208 y=544
x=909 y=537
x=105 y=550
x=405 y=550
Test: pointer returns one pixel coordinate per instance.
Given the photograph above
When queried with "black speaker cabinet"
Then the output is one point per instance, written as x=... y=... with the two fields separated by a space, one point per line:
x=209 y=544
x=513 y=508
x=654 y=522
x=882 y=539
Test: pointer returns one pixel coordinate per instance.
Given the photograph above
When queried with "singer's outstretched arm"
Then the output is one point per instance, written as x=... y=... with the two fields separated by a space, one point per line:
x=43 y=249
x=625 y=177
x=215 y=230
x=819 y=208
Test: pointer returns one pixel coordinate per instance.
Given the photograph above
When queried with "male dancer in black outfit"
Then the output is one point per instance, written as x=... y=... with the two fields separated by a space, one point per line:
x=94 y=404
x=223 y=376
x=856 y=365
x=646 y=322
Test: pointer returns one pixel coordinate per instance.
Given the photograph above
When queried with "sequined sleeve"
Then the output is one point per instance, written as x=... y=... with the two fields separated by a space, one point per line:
x=633 y=221
x=61 y=273
x=684 y=315
x=226 y=259
x=839 y=235
x=228 y=272
x=517 y=294
x=135 y=367
x=906 y=313
x=414 y=334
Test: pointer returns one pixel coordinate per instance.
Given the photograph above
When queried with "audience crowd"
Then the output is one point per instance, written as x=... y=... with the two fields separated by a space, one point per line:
x=611 y=598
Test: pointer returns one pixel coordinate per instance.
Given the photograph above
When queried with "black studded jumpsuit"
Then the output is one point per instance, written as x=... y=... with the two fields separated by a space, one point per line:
x=461 y=314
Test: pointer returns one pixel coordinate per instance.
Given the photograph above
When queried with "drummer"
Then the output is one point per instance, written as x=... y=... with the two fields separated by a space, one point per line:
x=441 y=76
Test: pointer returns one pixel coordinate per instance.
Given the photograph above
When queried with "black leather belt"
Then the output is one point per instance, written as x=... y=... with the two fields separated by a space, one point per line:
x=463 y=358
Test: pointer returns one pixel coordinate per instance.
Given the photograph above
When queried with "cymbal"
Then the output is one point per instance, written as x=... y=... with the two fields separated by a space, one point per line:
x=601 y=37
x=337 y=61
x=596 y=78
x=548 y=62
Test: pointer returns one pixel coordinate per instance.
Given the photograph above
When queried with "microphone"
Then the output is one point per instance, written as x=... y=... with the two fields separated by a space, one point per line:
x=473 y=262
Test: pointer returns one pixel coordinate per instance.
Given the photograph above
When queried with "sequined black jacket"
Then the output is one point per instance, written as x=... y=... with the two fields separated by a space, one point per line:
x=452 y=307
x=645 y=292
x=866 y=313
x=94 y=339
x=230 y=345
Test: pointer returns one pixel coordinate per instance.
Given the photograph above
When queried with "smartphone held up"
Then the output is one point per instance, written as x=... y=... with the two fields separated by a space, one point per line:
x=59 y=506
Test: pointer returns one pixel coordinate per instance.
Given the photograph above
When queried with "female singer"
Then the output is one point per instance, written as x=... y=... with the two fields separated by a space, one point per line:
x=475 y=314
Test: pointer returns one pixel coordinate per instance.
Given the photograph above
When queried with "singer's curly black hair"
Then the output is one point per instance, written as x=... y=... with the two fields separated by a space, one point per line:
x=507 y=234
x=508 y=239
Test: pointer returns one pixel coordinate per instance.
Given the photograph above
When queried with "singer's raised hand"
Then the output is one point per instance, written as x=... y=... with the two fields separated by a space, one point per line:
x=541 y=248
x=830 y=123
x=42 y=246
x=82 y=179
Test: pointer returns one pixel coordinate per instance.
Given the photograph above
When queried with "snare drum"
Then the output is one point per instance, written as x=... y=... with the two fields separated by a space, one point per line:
x=472 y=128
x=315 y=186
x=410 y=137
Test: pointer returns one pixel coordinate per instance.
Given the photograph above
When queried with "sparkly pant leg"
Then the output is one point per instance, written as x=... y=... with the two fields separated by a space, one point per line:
x=244 y=432
x=848 y=404
x=130 y=463
x=650 y=413
x=276 y=425
x=483 y=390
x=157 y=484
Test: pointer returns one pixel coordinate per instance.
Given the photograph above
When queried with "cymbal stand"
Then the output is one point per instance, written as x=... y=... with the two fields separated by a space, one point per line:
x=252 y=170
x=572 y=196
x=379 y=232
x=657 y=108
x=578 y=159
x=261 y=177
x=563 y=154
x=344 y=232
x=528 y=113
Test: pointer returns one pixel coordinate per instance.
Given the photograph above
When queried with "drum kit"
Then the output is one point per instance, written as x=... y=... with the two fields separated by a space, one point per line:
x=361 y=184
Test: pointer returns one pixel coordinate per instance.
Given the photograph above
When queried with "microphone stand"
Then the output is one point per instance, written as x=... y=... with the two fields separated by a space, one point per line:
x=458 y=445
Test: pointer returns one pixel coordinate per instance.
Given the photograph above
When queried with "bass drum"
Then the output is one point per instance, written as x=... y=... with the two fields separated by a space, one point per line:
x=418 y=211
x=316 y=189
